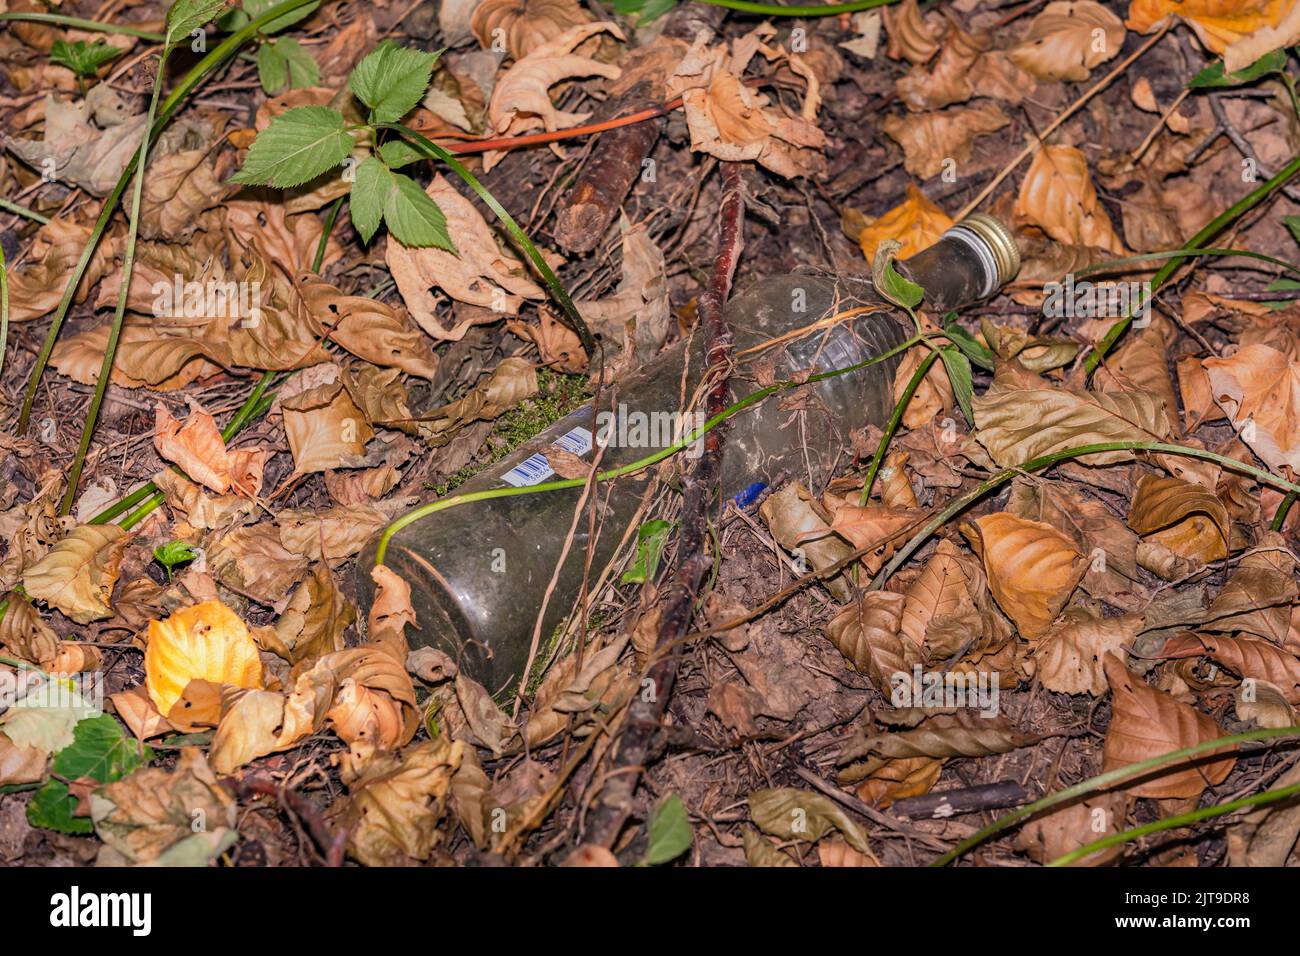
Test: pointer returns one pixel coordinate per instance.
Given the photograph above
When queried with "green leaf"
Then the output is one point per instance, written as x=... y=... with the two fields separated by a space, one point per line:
x=100 y=750
x=397 y=153
x=173 y=553
x=304 y=71
x=971 y=347
x=272 y=68
x=1213 y=75
x=670 y=831
x=889 y=282
x=298 y=146
x=959 y=374
x=369 y=193
x=82 y=58
x=255 y=8
x=413 y=217
x=651 y=539
x=51 y=808
x=186 y=16
x=391 y=80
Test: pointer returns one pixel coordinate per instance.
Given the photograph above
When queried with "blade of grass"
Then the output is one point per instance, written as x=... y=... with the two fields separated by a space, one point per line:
x=1184 y=253
x=1107 y=780
x=1182 y=820
x=18 y=210
x=895 y=419
x=77 y=23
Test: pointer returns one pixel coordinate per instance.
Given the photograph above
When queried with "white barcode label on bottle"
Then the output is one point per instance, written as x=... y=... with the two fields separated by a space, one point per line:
x=535 y=469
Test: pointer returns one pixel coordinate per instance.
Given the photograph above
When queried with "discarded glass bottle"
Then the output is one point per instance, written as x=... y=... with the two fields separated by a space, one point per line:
x=479 y=572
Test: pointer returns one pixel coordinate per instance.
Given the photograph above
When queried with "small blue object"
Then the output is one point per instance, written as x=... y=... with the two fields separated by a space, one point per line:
x=750 y=494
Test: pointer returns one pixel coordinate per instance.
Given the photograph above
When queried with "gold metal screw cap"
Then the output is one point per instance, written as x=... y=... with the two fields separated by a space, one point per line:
x=1000 y=241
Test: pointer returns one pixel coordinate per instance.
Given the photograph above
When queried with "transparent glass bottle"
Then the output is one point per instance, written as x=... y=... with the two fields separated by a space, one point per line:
x=478 y=572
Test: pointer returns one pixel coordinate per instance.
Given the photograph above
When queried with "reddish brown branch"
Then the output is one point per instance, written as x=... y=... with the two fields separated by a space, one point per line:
x=613 y=804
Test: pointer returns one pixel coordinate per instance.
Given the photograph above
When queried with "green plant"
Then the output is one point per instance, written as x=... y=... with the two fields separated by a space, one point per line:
x=173 y=553
x=647 y=10
x=82 y=57
x=282 y=63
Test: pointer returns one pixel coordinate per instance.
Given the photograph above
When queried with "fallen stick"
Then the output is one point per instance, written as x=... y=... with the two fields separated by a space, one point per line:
x=613 y=803
x=951 y=803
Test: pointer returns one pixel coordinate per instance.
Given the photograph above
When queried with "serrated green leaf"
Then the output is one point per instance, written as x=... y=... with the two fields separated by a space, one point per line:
x=255 y=8
x=651 y=538
x=670 y=831
x=102 y=750
x=959 y=374
x=1213 y=75
x=186 y=16
x=391 y=80
x=298 y=146
x=397 y=153
x=82 y=58
x=412 y=217
x=369 y=194
x=272 y=68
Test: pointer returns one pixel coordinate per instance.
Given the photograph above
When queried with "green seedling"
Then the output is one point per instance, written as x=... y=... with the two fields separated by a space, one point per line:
x=282 y=63
x=83 y=58
x=173 y=553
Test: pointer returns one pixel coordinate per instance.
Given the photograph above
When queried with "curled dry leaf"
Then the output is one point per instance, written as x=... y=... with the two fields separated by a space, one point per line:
x=149 y=817
x=1180 y=516
x=77 y=575
x=1247 y=657
x=910 y=37
x=23 y=633
x=199 y=450
x=82 y=153
x=480 y=272
x=1032 y=568
x=835 y=852
x=1067 y=39
x=1258 y=388
x=396 y=804
x=35 y=289
x=797 y=521
x=950 y=80
x=1058 y=196
x=965 y=733
x=313 y=622
x=916 y=223
x=932 y=397
x=1147 y=723
x=933 y=141
x=793 y=814
x=1068 y=658
x=207 y=641
x=733 y=122
x=1265 y=704
x=367 y=328
x=869 y=635
x=325 y=429
x=254 y=562
x=514 y=380
x=524 y=25
x=391 y=608
x=1258 y=596
x=375 y=707
x=521 y=100
x=759 y=851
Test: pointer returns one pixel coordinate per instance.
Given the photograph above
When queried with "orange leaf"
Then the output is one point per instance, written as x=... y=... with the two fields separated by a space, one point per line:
x=916 y=222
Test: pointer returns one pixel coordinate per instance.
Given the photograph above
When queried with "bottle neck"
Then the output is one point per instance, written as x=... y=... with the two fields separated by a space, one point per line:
x=970 y=262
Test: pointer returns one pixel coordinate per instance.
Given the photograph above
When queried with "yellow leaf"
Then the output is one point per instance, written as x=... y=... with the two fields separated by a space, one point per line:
x=1216 y=22
x=916 y=222
x=207 y=641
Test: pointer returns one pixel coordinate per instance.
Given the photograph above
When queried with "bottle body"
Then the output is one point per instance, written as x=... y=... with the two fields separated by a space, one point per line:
x=479 y=573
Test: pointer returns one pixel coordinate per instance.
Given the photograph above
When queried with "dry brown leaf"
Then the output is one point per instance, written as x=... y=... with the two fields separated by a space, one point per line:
x=521 y=26
x=1068 y=658
x=1067 y=39
x=911 y=38
x=325 y=429
x=869 y=635
x=521 y=101
x=314 y=621
x=480 y=272
x=1247 y=657
x=1057 y=196
x=1181 y=516
x=898 y=779
x=933 y=397
x=367 y=328
x=1148 y=723
x=1258 y=388
x=1258 y=595
x=965 y=733
x=949 y=81
x=799 y=524
x=254 y=562
x=23 y=633
x=835 y=852
x=36 y=288
x=933 y=142
x=1217 y=23
x=199 y=450
x=77 y=575
x=1066 y=829
x=76 y=151
x=255 y=723
x=1032 y=568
